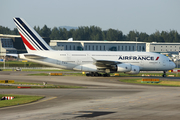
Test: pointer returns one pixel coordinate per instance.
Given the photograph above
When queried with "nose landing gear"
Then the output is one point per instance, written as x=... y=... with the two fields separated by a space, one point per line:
x=164 y=74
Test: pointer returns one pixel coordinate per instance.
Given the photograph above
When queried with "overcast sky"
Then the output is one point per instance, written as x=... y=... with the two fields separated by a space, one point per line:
x=125 y=15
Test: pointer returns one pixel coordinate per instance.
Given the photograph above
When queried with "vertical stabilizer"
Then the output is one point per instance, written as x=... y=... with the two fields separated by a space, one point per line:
x=31 y=39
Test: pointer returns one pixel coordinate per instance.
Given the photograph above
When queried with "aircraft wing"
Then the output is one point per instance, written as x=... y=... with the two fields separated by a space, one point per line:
x=105 y=63
x=13 y=55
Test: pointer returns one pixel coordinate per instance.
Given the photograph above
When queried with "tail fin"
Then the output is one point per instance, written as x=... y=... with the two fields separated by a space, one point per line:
x=31 y=39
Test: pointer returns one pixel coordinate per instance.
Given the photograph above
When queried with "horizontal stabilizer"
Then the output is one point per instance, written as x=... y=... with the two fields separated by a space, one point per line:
x=31 y=56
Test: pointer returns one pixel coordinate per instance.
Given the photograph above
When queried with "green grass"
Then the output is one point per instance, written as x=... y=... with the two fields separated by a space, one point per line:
x=39 y=74
x=37 y=86
x=74 y=74
x=8 y=87
x=18 y=100
x=45 y=70
x=27 y=70
x=130 y=80
x=27 y=83
x=147 y=74
x=42 y=87
x=64 y=74
x=21 y=64
x=6 y=69
x=161 y=83
x=156 y=74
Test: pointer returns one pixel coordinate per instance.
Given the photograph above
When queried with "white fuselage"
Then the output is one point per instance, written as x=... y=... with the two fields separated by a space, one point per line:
x=70 y=59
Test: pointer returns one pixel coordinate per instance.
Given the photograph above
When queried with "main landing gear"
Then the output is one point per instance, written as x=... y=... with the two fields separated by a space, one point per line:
x=96 y=74
x=164 y=74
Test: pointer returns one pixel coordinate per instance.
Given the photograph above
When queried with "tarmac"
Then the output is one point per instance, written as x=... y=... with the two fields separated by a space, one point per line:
x=104 y=98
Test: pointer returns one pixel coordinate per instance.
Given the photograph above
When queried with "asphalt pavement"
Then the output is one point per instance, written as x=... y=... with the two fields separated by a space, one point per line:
x=104 y=98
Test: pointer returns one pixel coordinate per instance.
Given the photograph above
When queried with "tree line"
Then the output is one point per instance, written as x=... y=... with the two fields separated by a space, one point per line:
x=94 y=33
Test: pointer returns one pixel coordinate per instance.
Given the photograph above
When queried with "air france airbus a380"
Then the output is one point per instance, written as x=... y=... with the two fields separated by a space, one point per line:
x=89 y=61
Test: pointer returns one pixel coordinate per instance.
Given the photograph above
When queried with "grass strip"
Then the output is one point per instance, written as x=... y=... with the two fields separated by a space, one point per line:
x=45 y=70
x=26 y=83
x=35 y=85
x=18 y=100
x=161 y=83
x=146 y=74
x=39 y=74
x=74 y=74
x=64 y=74
x=27 y=70
x=40 y=87
x=80 y=74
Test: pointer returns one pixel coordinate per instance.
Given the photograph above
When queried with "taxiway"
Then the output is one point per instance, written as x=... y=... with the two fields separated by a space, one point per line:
x=104 y=98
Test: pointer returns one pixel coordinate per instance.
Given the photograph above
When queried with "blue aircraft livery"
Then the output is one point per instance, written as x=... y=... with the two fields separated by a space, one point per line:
x=137 y=58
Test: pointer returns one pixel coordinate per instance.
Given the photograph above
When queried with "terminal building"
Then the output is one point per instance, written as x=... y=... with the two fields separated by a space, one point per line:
x=7 y=44
x=98 y=45
x=12 y=44
x=172 y=48
x=163 y=47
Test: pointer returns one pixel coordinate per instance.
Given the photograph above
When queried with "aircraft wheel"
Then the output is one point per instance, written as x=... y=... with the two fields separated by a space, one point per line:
x=96 y=74
x=103 y=75
x=164 y=74
x=106 y=75
x=88 y=74
x=99 y=74
x=92 y=75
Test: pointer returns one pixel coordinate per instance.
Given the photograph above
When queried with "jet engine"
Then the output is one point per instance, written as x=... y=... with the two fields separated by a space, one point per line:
x=134 y=70
x=124 y=67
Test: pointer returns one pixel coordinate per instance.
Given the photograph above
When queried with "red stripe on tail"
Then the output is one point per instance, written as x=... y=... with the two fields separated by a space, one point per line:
x=27 y=43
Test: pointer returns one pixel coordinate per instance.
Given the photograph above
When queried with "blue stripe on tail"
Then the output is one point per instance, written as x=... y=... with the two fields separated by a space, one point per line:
x=32 y=34
x=21 y=29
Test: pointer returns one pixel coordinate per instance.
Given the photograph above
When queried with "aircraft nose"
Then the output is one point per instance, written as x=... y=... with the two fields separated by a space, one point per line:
x=173 y=65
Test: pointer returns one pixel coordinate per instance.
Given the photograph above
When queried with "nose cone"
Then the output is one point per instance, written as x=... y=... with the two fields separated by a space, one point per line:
x=172 y=65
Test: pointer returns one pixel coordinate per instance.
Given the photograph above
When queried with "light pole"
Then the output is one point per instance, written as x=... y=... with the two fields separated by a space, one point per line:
x=4 y=62
x=177 y=64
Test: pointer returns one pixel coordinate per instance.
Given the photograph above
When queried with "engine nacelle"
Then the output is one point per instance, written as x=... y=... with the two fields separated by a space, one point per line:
x=86 y=68
x=124 y=67
x=134 y=70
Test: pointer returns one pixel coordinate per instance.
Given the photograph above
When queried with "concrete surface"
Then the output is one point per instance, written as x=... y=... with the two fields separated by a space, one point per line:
x=105 y=98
